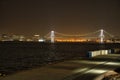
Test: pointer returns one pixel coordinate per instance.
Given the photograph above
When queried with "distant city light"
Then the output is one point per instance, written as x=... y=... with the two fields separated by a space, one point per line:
x=41 y=40
x=37 y=35
x=60 y=37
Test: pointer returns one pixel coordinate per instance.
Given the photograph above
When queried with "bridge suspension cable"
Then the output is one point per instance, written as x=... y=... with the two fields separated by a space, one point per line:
x=109 y=34
x=99 y=34
x=76 y=35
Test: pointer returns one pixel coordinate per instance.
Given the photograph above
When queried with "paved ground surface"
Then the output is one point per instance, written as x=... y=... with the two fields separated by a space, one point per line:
x=77 y=69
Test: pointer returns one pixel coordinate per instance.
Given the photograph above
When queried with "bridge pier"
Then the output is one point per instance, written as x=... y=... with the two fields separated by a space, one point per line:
x=52 y=36
x=101 y=36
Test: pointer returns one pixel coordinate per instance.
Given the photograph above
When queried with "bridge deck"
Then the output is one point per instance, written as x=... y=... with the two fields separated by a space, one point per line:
x=78 y=69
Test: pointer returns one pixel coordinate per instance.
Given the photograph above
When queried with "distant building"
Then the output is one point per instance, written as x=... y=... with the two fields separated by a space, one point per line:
x=36 y=38
x=5 y=37
x=18 y=38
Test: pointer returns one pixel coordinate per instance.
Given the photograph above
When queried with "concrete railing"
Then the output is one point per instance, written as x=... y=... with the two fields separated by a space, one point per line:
x=102 y=52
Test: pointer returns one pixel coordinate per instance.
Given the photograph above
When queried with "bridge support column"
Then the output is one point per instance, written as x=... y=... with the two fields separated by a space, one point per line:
x=101 y=36
x=52 y=36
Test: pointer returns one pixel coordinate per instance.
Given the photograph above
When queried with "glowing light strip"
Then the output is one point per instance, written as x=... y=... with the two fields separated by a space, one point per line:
x=97 y=71
x=89 y=62
x=113 y=63
x=80 y=70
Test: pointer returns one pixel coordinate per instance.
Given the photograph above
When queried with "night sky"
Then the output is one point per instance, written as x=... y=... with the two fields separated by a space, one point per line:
x=29 y=17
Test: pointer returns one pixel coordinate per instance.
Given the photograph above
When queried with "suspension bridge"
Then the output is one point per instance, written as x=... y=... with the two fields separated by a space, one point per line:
x=98 y=36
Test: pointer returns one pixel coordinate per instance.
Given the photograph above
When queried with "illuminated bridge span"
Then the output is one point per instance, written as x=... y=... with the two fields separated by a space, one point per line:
x=98 y=36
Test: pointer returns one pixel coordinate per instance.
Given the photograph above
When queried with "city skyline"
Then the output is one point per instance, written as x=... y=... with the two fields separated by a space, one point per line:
x=29 y=17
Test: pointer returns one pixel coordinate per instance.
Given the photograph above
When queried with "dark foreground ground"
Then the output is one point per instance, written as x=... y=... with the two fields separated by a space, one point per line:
x=18 y=56
x=76 y=69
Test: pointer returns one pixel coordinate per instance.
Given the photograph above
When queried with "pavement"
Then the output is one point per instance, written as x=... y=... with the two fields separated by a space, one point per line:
x=77 y=69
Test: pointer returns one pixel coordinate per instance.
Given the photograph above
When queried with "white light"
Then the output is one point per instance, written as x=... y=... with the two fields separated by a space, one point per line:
x=37 y=35
x=97 y=71
x=113 y=63
x=41 y=40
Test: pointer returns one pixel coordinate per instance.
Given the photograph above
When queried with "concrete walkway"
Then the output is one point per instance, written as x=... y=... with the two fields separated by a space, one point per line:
x=79 y=69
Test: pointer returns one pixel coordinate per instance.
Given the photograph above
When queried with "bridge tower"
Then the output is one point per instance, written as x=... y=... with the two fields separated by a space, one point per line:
x=101 y=36
x=52 y=36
